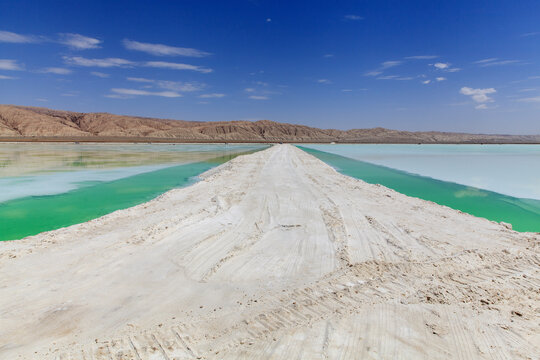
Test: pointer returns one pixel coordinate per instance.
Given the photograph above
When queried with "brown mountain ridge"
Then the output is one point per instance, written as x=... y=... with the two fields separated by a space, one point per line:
x=22 y=123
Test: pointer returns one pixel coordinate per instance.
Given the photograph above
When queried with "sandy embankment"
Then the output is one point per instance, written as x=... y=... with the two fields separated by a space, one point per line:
x=273 y=255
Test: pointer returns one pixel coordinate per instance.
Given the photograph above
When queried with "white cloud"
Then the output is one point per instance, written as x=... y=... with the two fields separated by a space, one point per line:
x=483 y=61
x=531 y=99
x=207 y=96
x=104 y=63
x=479 y=96
x=426 y=82
x=445 y=67
x=56 y=70
x=170 y=85
x=10 y=37
x=324 y=81
x=394 y=77
x=389 y=64
x=268 y=20
x=373 y=73
x=249 y=90
x=527 y=90
x=385 y=65
x=492 y=62
x=422 y=57
x=137 y=92
x=441 y=65
x=100 y=74
x=7 y=64
x=259 y=97
x=440 y=78
x=143 y=80
x=353 y=17
x=163 y=50
x=79 y=42
x=5 y=77
x=530 y=34
x=177 y=66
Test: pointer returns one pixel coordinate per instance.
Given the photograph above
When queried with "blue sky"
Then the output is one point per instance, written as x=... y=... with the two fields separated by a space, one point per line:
x=470 y=66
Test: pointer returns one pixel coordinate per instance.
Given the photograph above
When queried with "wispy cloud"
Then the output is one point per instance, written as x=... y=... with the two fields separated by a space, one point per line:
x=10 y=37
x=495 y=62
x=394 y=77
x=70 y=93
x=353 y=17
x=163 y=50
x=56 y=70
x=425 y=82
x=385 y=65
x=214 y=95
x=483 y=61
x=100 y=74
x=422 y=57
x=169 y=85
x=534 y=33
x=389 y=64
x=258 y=97
x=177 y=66
x=104 y=63
x=530 y=99
x=137 y=92
x=328 y=56
x=5 y=77
x=440 y=78
x=324 y=81
x=79 y=42
x=8 y=64
x=480 y=96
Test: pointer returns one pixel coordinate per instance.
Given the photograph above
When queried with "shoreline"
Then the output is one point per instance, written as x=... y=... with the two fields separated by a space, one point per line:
x=270 y=253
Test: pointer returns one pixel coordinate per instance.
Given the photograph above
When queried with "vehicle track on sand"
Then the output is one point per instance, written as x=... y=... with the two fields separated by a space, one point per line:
x=273 y=255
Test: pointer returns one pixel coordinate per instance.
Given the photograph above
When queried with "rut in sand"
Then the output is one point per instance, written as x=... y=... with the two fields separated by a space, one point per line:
x=273 y=255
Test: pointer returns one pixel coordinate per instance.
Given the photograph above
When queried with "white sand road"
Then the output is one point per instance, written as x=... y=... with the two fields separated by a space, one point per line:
x=274 y=255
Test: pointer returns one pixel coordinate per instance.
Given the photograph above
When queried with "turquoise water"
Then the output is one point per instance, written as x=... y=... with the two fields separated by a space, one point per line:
x=507 y=169
x=523 y=214
x=61 y=196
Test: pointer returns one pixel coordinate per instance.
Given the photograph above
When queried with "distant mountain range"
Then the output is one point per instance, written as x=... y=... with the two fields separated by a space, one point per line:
x=21 y=123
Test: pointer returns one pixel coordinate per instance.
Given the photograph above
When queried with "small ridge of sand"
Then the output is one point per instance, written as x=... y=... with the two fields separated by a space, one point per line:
x=273 y=255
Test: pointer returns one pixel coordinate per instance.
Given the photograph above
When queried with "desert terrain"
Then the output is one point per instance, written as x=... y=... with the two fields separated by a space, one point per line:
x=22 y=123
x=273 y=255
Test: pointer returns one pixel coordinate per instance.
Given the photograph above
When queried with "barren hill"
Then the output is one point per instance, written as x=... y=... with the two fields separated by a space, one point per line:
x=33 y=123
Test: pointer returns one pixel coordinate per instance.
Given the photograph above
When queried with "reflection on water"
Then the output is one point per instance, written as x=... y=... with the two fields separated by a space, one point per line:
x=18 y=159
x=60 y=191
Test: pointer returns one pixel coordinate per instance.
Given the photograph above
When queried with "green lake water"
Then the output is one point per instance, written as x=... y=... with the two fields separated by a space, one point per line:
x=523 y=214
x=31 y=215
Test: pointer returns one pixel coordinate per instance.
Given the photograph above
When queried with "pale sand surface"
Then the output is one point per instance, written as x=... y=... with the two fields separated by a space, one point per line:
x=274 y=255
